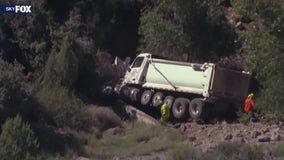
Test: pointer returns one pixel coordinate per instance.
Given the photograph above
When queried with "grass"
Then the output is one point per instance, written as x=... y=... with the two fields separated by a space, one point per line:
x=184 y=152
x=139 y=139
x=276 y=150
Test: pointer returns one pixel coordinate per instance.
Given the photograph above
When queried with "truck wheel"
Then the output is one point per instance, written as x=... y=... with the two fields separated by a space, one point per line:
x=157 y=99
x=196 y=108
x=134 y=94
x=146 y=97
x=169 y=100
x=180 y=108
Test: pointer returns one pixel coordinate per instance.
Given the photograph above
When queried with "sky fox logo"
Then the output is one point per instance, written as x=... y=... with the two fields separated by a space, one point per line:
x=23 y=9
x=16 y=8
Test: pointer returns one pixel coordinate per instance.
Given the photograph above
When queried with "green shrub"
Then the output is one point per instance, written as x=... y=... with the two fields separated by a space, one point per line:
x=277 y=150
x=16 y=94
x=235 y=151
x=243 y=117
x=137 y=139
x=17 y=140
x=65 y=108
x=184 y=152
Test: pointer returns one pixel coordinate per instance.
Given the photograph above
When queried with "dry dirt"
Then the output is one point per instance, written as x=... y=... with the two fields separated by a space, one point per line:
x=206 y=136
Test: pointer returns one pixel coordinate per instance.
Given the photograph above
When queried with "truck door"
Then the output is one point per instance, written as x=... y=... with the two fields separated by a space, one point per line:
x=134 y=73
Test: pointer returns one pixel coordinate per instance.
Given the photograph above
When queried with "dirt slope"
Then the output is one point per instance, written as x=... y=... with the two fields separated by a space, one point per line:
x=207 y=135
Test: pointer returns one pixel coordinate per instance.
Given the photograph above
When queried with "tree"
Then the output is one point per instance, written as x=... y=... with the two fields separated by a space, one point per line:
x=263 y=50
x=161 y=30
x=264 y=56
x=186 y=26
x=17 y=140
x=62 y=67
x=26 y=38
x=63 y=63
x=16 y=94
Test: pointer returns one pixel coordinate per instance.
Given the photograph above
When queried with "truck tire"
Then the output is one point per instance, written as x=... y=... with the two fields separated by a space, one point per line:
x=146 y=97
x=134 y=94
x=196 y=108
x=169 y=100
x=157 y=99
x=180 y=108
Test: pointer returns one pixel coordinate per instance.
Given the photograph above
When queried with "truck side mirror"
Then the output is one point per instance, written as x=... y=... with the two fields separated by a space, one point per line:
x=127 y=61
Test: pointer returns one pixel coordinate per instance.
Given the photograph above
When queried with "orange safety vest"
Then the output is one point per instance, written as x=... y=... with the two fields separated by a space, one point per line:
x=249 y=104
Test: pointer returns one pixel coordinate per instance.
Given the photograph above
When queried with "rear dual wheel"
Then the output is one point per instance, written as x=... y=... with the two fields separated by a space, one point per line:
x=169 y=100
x=134 y=94
x=180 y=108
x=157 y=99
x=146 y=97
x=197 y=109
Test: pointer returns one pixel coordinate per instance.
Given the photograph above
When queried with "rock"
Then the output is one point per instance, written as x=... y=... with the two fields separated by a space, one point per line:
x=191 y=139
x=203 y=127
x=264 y=139
x=115 y=158
x=238 y=139
x=275 y=130
x=199 y=121
x=255 y=134
x=266 y=130
x=82 y=158
x=182 y=128
x=107 y=117
x=280 y=124
x=115 y=131
x=229 y=137
x=275 y=137
x=188 y=125
x=141 y=116
x=209 y=134
x=224 y=122
x=239 y=135
x=177 y=125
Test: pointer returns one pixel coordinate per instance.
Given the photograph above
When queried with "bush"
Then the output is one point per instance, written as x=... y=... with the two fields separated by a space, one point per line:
x=17 y=140
x=137 y=138
x=63 y=63
x=243 y=117
x=235 y=151
x=65 y=108
x=184 y=153
x=16 y=94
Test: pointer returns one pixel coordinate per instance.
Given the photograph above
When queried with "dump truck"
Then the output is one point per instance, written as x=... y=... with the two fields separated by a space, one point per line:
x=189 y=89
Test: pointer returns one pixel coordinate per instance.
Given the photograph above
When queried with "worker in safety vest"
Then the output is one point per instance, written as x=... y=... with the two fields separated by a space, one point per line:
x=165 y=113
x=249 y=103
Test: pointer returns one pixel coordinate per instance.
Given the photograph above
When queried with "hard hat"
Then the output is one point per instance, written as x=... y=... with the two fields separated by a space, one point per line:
x=251 y=95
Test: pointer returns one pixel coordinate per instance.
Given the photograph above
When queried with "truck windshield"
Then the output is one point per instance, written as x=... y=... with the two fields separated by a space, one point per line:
x=138 y=61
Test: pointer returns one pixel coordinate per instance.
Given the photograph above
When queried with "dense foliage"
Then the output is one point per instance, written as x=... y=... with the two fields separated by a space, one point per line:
x=54 y=61
x=17 y=140
x=263 y=49
x=186 y=26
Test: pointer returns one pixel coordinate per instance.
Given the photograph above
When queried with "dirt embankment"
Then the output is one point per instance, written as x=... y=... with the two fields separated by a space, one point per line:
x=206 y=136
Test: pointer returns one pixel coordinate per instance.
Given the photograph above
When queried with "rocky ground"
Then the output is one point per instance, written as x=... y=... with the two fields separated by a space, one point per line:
x=206 y=136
